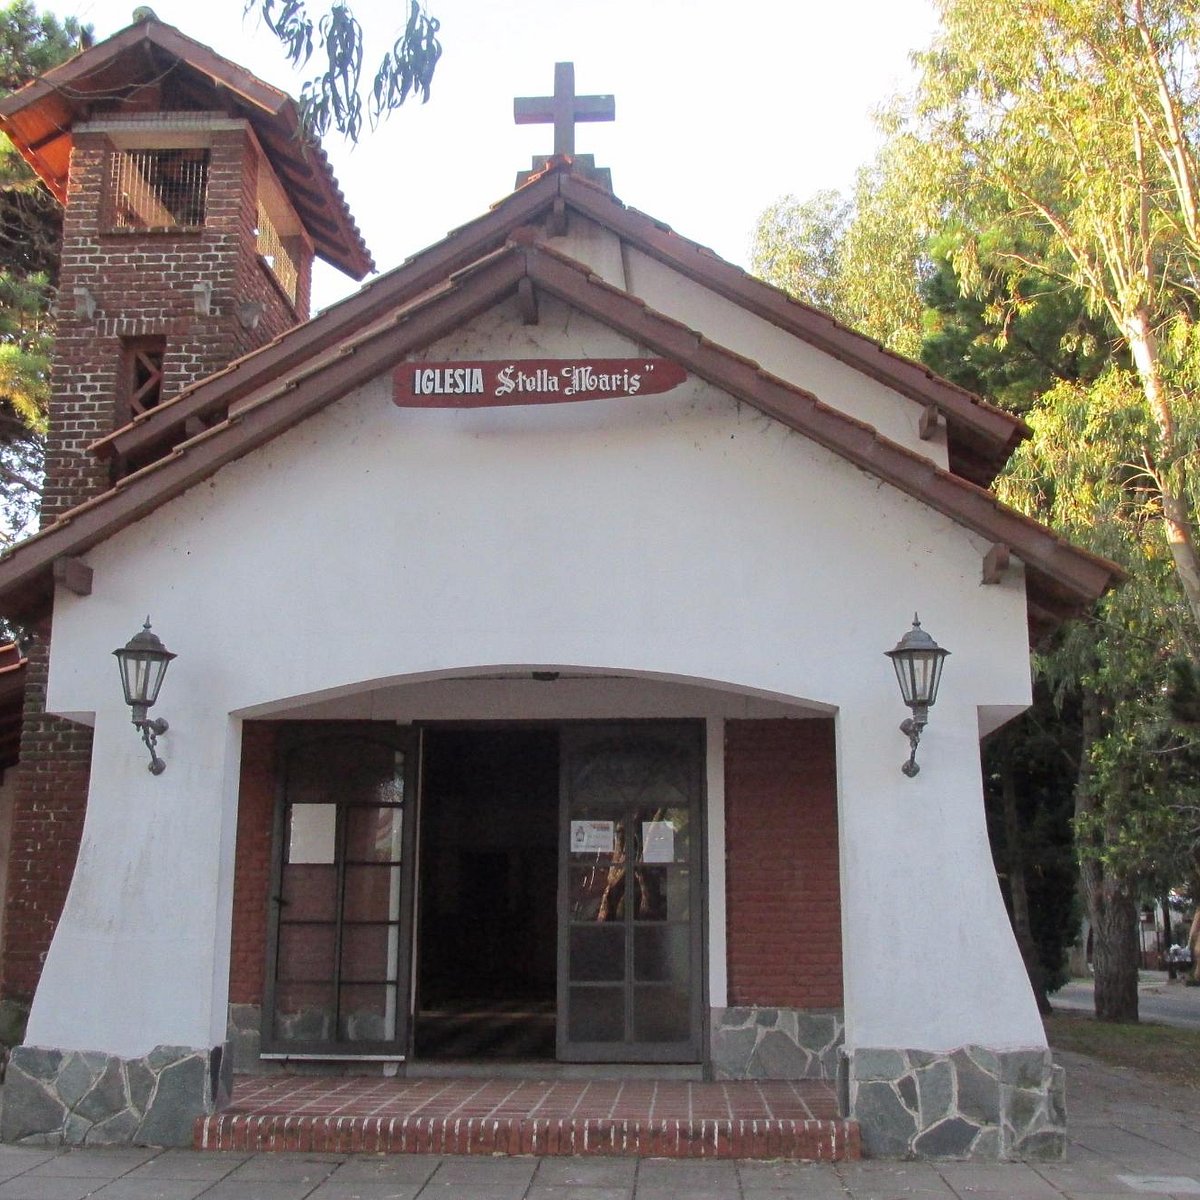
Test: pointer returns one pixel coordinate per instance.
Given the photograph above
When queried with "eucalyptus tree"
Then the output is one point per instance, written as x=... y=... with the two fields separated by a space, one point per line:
x=1081 y=117
x=861 y=259
x=333 y=98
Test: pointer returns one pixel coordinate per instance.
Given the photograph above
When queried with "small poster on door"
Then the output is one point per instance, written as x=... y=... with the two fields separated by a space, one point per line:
x=592 y=837
x=658 y=842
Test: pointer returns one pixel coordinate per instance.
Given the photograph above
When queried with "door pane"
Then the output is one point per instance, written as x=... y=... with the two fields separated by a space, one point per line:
x=306 y=953
x=371 y=893
x=662 y=835
x=663 y=893
x=369 y=953
x=661 y=1014
x=661 y=954
x=309 y=893
x=304 y=1012
x=597 y=1014
x=597 y=953
x=597 y=893
x=374 y=833
x=367 y=1012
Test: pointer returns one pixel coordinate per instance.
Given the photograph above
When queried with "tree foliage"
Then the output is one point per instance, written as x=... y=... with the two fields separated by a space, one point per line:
x=1037 y=202
x=30 y=224
x=797 y=246
x=1017 y=331
x=1078 y=117
x=333 y=98
x=860 y=259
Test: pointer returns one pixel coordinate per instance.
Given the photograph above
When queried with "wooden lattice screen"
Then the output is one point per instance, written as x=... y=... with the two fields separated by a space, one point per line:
x=156 y=189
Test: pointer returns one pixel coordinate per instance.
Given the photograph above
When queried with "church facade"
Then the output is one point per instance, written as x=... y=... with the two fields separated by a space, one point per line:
x=528 y=611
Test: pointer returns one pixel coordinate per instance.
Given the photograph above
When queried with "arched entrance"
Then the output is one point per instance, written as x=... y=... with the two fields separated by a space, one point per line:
x=545 y=842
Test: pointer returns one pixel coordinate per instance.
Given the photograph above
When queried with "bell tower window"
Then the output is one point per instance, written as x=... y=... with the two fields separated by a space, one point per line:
x=275 y=253
x=279 y=240
x=159 y=189
x=142 y=374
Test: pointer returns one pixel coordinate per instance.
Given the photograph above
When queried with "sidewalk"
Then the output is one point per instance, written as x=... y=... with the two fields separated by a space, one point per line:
x=1130 y=1136
x=1162 y=1001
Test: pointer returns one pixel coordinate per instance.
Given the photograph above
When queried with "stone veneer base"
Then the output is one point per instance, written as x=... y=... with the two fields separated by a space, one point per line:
x=746 y=1042
x=971 y=1103
x=78 y=1098
x=775 y=1043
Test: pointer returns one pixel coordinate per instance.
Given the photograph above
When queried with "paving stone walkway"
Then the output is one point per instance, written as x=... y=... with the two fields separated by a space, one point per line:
x=1131 y=1136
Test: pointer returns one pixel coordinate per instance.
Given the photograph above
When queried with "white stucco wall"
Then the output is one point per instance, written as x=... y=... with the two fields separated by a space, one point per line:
x=683 y=537
x=895 y=416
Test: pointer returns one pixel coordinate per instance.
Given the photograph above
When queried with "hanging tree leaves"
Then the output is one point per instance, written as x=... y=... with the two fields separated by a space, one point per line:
x=333 y=98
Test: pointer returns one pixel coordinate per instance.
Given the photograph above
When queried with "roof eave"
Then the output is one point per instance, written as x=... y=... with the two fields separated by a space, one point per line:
x=1067 y=576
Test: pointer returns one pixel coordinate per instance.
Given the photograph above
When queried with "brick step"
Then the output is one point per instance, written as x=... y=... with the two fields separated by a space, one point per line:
x=638 y=1118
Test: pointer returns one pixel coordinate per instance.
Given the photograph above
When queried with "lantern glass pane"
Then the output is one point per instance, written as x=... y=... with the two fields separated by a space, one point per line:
x=142 y=676
x=935 y=680
x=922 y=669
x=903 y=677
x=156 y=669
x=128 y=677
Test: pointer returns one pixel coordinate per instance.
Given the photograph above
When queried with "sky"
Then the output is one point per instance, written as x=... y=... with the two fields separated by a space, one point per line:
x=721 y=108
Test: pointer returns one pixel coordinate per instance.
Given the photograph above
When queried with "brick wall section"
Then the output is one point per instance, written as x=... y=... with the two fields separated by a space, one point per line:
x=48 y=808
x=252 y=863
x=783 y=896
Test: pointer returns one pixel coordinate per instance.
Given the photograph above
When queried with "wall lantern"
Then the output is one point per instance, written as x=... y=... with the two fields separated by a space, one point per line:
x=143 y=663
x=918 y=660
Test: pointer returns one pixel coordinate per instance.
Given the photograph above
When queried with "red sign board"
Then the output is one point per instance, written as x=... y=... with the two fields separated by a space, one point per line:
x=531 y=381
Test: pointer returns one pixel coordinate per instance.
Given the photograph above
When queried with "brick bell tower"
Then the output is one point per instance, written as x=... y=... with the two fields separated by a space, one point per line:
x=193 y=208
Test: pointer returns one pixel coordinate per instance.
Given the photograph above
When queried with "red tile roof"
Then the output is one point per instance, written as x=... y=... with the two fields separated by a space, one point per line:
x=252 y=406
x=39 y=118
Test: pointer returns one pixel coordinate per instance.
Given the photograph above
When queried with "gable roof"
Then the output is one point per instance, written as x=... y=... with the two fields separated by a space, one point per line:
x=980 y=437
x=1061 y=579
x=40 y=116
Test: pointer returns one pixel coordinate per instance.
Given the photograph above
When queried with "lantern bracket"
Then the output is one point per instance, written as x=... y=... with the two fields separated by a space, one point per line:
x=151 y=728
x=911 y=728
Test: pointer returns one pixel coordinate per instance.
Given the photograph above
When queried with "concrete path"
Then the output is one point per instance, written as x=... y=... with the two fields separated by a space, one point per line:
x=1159 y=1000
x=1131 y=1136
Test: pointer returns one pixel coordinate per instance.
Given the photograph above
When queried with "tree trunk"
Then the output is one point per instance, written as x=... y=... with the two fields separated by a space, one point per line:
x=1194 y=944
x=1168 y=467
x=1112 y=908
x=1018 y=894
x=1115 y=951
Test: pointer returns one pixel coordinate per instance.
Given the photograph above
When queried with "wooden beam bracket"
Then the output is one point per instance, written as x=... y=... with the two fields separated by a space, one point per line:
x=74 y=574
x=527 y=301
x=995 y=563
x=556 y=218
x=928 y=424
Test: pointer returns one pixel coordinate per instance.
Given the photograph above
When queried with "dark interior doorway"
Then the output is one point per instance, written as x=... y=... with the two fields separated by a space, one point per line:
x=488 y=894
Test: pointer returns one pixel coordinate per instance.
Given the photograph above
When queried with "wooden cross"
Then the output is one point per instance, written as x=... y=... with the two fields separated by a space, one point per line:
x=564 y=109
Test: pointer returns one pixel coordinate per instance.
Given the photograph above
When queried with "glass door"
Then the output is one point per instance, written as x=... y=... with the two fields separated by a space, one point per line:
x=341 y=925
x=629 y=968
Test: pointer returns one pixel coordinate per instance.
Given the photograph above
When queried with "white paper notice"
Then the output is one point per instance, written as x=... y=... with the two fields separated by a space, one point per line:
x=592 y=837
x=658 y=842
